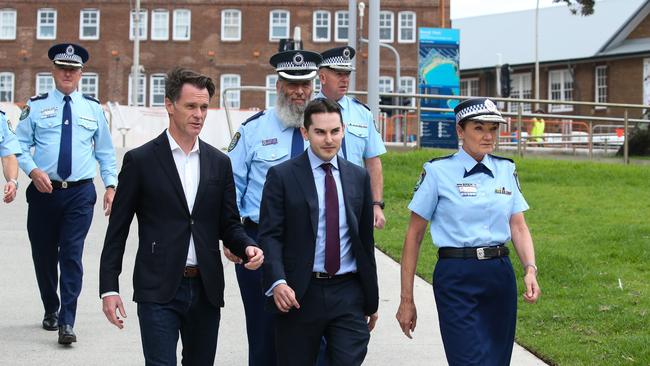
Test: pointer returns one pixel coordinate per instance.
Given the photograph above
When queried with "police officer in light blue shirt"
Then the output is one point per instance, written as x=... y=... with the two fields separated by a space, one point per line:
x=69 y=134
x=362 y=144
x=9 y=148
x=475 y=206
x=264 y=140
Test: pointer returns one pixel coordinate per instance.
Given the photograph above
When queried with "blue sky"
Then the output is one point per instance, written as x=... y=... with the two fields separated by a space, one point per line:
x=470 y=8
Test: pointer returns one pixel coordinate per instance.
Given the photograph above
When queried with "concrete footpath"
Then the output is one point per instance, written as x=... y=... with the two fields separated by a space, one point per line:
x=23 y=342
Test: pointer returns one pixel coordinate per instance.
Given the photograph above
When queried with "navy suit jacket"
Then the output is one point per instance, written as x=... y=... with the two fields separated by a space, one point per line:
x=289 y=222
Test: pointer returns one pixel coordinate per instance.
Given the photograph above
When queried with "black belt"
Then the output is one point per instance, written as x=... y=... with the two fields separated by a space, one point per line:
x=56 y=184
x=476 y=253
x=327 y=276
x=191 y=272
x=250 y=224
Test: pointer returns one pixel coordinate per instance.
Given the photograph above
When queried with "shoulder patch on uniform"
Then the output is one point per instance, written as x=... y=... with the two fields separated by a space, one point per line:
x=253 y=117
x=1 y=112
x=359 y=102
x=25 y=112
x=502 y=158
x=234 y=141
x=90 y=97
x=420 y=180
x=440 y=158
x=38 y=97
x=517 y=180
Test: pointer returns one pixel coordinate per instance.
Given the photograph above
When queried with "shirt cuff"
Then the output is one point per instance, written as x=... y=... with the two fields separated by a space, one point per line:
x=109 y=293
x=269 y=292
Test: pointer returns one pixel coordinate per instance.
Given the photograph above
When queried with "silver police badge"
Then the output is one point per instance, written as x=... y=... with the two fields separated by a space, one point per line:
x=69 y=51
x=298 y=59
x=490 y=105
x=346 y=54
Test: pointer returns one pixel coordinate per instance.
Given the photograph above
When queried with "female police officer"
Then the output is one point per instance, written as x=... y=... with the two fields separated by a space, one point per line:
x=475 y=206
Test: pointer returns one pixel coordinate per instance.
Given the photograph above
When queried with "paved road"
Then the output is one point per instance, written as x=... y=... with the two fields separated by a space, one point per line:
x=25 y=343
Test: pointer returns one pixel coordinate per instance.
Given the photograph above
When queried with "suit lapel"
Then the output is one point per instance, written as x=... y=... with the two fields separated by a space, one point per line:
x=305 y=178
x=164 y=156
x=348 y=185
x=204 y=173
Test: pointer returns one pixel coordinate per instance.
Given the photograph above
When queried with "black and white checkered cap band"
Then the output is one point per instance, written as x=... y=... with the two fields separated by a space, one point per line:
x=336 y=61
x=307 y=65
x=479 y=111
x=70 y=58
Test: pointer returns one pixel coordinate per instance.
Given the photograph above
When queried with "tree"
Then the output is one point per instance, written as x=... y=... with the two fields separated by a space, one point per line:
x=586 y=7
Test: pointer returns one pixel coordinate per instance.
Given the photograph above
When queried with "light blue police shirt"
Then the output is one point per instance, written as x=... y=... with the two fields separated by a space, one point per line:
x=40 y=128
x=468 y=212
x=260 y=143
x=8 y=142
x=362 y=140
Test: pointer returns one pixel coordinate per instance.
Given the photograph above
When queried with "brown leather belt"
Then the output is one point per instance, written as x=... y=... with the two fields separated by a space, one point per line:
x=191 y=272
x=475 y=253
x=63 y=185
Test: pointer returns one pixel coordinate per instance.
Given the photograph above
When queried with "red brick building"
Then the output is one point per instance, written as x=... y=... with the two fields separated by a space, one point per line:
x=229 y=40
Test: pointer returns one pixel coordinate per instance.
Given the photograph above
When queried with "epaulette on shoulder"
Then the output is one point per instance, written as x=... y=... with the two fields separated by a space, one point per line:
x=359 y=102
x=90 y=97
x=441 y=158
x=253 y=117
x=502 y=158
x=38 y=97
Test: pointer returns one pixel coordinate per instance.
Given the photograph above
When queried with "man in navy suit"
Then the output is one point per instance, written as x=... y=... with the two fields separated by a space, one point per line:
x=316 y=229
x=183 y=192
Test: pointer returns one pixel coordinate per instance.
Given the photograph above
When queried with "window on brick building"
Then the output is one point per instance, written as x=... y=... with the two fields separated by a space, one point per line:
x=315 y=85
x=89 y=84
x=231 y=25
x=341 y=26
x=7 y=24
x=142 y=89
x=469 y=87
x=160 y=25
x=601 y=85
x=89 y=24
x=142 y=25
x=560 y=87
x=271 y=96
x=278 y=24
x=406 y=27
x=230 y=81
x=321 y=26
x=182 y=24
x=46 y=24
x=386 y=26
x=44 y=82
x=7 y=87
x=521 y=86
x=157 y=90
x=407 y=85
x=386 y=84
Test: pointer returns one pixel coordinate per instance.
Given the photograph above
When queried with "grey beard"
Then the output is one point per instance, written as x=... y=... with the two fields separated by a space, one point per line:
x=291 y=115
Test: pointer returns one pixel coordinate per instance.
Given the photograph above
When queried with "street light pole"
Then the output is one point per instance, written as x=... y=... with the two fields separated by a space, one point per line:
x=537 y=55
x=135 y=73
x=352 y=39
x=373 y=57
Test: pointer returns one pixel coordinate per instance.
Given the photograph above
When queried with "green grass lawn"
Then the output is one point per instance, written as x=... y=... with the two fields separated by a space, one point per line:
x=591 y=226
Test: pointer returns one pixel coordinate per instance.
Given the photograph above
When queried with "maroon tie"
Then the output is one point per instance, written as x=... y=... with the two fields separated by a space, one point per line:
x=332 y=240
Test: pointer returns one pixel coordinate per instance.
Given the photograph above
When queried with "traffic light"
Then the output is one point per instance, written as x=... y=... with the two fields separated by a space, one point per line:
x=505 y=80
x=386 y=101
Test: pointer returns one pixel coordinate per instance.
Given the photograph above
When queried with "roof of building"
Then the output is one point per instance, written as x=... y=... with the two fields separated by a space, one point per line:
x=562 y=35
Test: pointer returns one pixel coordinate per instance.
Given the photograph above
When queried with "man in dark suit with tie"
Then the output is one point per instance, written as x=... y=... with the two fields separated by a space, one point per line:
x=182 y=191
x=316 y=228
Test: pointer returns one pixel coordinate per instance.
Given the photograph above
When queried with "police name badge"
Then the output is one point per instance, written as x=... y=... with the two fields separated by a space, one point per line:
x=272 y=141
x=467 y=189
x=49 y=112
x=502 y=190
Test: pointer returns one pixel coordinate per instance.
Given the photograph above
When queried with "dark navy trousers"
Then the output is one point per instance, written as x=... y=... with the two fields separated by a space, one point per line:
x=477 y=310
x=57 y=224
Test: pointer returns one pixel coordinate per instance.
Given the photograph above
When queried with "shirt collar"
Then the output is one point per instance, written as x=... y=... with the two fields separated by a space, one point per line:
x=58 y=95
x=469 y=162
x=343 y=102
x=174 y=146
x=316 y=162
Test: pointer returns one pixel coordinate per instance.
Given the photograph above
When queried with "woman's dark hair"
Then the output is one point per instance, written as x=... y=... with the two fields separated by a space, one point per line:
x=321 y=105
x=180 y=76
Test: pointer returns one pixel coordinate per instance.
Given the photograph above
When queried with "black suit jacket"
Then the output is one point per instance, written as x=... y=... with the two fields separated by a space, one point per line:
x=149 y=187
x=289 y=222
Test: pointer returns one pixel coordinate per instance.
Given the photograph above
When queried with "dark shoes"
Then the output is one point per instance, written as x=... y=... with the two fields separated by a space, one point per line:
x=66 y=334
x=51 y=321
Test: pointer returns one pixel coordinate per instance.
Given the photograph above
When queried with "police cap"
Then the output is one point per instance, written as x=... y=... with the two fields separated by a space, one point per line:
x=339 y=58
x=478 y=109
x=68 y=55
x=296 y=64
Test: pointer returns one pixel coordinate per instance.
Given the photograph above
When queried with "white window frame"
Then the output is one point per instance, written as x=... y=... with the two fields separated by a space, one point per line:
x=271 y=96
x=176 y=35
x=231 y=14
x=315 y=85
x=564 y=76
x=40 y=78
x=83 y=26
x=600 y=85
x=321 y=19
x=404 y=88
x=89 y=76
x=10 y=25
x=521 y=87
x=234 y=98
x=153 y=88
x=142 y=99
x=339 y=16
x=469 y=87
x=162 y=17
x=401 y=26
x=387 y=80
x=273 y=37
x=144 y=15
x=388 y=16
x=40 y=26
x=7 y=83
